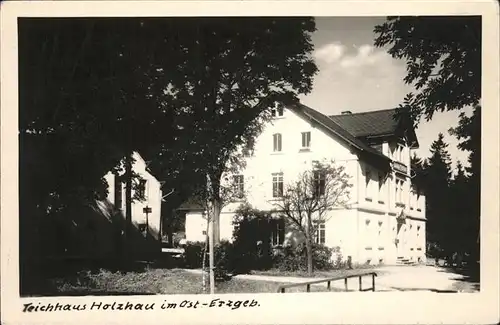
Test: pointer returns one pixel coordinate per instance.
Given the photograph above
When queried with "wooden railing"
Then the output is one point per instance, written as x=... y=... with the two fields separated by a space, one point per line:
x=328 y=281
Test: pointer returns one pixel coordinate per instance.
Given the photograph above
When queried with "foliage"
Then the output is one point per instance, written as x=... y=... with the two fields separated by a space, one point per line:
x=224 y=85
x=223 y=255
x=224 y=260
x=296 y=259
x=252 y=239
x=443 y=60
x=468 y=133
x=418 y=167
x=93 y=90
x=437 y=175
x=193 y=254
x=468 y=207
x=453 y=221
x=443 y=57
x=307 y=201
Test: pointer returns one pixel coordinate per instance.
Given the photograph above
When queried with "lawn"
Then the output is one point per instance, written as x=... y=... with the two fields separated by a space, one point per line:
x=154 y=281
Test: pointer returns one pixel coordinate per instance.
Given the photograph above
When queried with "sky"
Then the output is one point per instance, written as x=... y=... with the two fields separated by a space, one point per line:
x=356 y=76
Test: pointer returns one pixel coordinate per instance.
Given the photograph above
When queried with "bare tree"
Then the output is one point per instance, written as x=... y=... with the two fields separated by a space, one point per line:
x=307 y=201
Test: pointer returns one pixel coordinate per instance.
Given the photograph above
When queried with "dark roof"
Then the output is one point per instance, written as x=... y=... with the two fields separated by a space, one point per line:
x=369 y=124
x=336 y=129
x=192 y=203
x=381 y=123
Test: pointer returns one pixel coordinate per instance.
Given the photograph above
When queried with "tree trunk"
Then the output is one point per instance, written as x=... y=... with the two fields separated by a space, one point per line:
x=309 y=246
x=204 y=262
x=128 y=205
x=216 y=204
x=309 y=257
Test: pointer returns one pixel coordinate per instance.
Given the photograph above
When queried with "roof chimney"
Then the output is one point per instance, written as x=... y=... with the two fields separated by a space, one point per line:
x=346 y=112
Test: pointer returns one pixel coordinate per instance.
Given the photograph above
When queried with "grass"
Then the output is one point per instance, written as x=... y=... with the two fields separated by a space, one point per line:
x=153 y=281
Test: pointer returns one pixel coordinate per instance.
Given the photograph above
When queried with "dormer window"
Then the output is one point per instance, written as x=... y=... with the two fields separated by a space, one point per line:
x=277 y=112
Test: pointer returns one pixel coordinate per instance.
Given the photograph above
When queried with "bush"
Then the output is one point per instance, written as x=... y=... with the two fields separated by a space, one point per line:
x=252 y=240
x=193 y=255
x=224 y=260
x=295 y=258
x=338 y=259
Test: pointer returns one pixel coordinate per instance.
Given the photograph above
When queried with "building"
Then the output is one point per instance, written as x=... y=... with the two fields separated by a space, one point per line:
x=385 y=219
x=98 y=230
x=146 y=194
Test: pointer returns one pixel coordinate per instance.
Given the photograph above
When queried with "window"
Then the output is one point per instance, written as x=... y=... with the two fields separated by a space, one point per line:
x=278 y=112
x=278 y=185
x=319 y=234
x=277 y=142
x=239 y=187
x=368 y=177
x=141 y=189
x=306 y=140
x=277 y=231
x=319 y=180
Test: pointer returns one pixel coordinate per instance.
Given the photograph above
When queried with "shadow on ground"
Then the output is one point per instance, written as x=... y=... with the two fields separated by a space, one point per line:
x=468 y=276
x=424 y=289
x=52 y=277
x=79 y=293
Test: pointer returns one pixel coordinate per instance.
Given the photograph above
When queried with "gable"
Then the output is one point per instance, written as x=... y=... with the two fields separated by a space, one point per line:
x=336 y=131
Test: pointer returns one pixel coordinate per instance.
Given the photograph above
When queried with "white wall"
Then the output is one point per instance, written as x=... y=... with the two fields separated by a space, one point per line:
x=153 y=195
x=345 y=227
x=196 y=225
x=291 y=161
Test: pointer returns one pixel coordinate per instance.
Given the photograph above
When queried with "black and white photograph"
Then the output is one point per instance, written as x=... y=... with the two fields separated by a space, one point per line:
x=224 y=155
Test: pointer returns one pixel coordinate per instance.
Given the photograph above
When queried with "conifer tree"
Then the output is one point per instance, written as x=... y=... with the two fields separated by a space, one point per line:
x=437 y=186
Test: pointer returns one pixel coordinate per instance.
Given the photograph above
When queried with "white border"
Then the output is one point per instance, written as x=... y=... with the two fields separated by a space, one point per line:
x=365 y=308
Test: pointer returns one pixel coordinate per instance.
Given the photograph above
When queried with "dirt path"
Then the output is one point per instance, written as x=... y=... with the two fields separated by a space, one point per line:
x=393 y=278
x=426 y=278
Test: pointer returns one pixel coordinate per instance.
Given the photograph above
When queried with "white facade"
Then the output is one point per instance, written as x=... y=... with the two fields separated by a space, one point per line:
x=152 y=197
x=368 y=230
